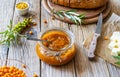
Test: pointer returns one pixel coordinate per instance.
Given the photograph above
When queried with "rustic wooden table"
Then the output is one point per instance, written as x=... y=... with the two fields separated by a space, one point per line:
x=80 y=66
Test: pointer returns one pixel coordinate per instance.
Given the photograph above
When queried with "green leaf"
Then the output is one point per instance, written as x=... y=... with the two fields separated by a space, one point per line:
x=59 y=14
x=81 y=15
x=74 y=20
x=117 y=57
x=78 y=19
x=117 y=62
x=70 y=14
x=6 y=32
x=2 y=32
x=11 y=22
x=1 y=42
x=72 y=10
x=8 y=43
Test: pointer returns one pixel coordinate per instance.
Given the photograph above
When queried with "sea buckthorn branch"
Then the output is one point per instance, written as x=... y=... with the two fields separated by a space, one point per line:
x=70 y=14
x=12 y=34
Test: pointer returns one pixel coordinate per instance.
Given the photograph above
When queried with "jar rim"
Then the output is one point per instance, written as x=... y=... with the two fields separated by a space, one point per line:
x=66 y=31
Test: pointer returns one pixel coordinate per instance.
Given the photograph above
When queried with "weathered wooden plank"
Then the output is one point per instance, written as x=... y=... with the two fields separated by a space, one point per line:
x=115 y=6
x=113 y=70
x=26 y=51
x=48 y=70
x=84 y=67
x=6 y=13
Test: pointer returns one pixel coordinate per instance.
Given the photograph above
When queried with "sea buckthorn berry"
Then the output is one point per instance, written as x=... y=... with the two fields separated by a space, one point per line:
x=45 y=21
x=30 y=32
x=21 y=5
x=23 y=65
x=34 y=23
x=11 y=71
x=106 y=38
x=35 y=75
x=52 y=17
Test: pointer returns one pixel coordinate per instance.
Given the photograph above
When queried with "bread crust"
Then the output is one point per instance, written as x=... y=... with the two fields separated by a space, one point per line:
x=84 y=4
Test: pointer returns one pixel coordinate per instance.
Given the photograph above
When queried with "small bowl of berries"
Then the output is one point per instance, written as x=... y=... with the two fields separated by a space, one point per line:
x=14 y=68
x=22 y=8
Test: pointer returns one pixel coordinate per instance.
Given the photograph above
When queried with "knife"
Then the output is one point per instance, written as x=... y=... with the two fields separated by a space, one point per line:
x=96 y=35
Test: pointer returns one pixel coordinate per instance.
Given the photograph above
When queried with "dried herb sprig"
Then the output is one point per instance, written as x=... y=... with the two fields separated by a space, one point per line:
x=12 y=34
x=118 y=58
x=70 y=14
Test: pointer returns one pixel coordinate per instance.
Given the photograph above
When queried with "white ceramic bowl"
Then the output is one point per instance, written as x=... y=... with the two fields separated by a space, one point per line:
x=22 y=11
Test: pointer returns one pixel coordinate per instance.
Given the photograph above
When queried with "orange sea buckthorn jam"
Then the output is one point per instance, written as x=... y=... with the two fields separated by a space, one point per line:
x=58 y=40
x=59 y=50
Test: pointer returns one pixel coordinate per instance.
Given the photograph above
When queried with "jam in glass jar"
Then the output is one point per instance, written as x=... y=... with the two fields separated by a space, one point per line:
x=59 y=47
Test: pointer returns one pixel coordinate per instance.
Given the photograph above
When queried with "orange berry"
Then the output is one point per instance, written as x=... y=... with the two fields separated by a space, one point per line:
x=5 y=70
x=1 y=73
x=106 y=38
x=30 y=32
x=35 y=75
x=52 y=17
x=23 y=65
x=34 y=23
x=45 y=21
x=20 y=71
x=4 y=67
x=11 y=72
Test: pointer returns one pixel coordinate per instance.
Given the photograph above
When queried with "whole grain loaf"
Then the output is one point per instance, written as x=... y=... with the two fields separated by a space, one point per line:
x=84 y=4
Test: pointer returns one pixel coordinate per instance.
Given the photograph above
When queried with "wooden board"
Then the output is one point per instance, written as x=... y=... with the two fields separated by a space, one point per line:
x=91 y=15
x=88 y=13
x=102 y=49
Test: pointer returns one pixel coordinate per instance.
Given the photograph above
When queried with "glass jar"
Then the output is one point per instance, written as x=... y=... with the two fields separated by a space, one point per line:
x=61 y=48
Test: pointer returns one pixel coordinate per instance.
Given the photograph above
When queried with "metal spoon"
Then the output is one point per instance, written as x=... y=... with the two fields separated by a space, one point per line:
x=36 y=39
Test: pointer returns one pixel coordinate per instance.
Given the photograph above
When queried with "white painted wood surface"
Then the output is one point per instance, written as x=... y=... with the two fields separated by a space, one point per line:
x=80 y=66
